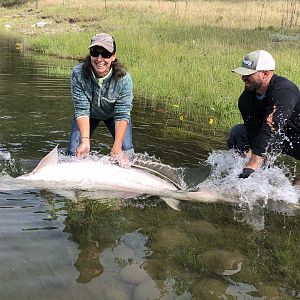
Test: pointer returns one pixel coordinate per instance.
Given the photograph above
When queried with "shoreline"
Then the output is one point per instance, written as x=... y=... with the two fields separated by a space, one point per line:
x=174 y=59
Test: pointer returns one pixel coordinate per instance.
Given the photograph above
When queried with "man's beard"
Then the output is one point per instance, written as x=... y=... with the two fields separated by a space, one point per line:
x=253 y=86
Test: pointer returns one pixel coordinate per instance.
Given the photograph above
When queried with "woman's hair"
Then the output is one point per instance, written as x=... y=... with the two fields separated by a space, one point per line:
x=118 y=69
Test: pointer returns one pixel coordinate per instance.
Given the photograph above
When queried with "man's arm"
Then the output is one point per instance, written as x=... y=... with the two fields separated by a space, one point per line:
x=282 y=104
x=279 y=112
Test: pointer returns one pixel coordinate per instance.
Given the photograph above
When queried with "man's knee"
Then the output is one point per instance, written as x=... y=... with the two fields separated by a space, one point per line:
x=238 y=138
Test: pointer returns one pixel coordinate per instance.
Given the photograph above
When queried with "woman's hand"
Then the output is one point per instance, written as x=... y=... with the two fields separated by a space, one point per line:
x=84 y=148
x=117 y=156
x=121 y=159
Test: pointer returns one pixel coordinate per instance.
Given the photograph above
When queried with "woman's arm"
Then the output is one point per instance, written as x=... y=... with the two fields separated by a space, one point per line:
x=120 y=129
x=83 y=124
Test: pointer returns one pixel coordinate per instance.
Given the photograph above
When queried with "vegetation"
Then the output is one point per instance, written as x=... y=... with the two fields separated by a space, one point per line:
x=8 y=3
x=179 y=53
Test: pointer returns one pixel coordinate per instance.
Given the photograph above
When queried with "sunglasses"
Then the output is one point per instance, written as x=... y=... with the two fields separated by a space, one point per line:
x=104 y=53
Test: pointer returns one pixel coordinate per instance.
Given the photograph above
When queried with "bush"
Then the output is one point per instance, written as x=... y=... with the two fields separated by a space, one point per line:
x=9 y=3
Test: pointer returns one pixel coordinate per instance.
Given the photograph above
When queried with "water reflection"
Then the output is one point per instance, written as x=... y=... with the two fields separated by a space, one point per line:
x=156 y=252
x=26 y=98
x=88 y=264
x=124 y=266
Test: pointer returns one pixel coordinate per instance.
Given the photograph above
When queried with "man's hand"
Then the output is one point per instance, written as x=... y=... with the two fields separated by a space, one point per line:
x=254 y=163
x=246 y=173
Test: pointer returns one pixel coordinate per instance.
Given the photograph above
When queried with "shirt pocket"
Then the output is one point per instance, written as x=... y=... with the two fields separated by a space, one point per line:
x=106 y=104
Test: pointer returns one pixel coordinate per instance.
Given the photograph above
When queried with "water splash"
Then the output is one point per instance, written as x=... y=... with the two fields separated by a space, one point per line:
x=8 y=165
x=264 y=184
x=5 y=155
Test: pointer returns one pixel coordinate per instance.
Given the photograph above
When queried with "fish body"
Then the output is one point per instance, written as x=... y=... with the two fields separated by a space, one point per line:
x=95 y=174
x=98 y=176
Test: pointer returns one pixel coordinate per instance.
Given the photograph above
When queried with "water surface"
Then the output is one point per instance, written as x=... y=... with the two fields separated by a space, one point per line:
x=105 y=247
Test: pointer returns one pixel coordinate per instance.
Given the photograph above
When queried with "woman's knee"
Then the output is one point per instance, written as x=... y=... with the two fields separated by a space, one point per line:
x=127 y=141
x=74 y=140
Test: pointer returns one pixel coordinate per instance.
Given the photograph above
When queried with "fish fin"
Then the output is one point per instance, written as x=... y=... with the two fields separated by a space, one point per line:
x=173 y=203
x=50 y=159
x=158 y=171
x=67 y=194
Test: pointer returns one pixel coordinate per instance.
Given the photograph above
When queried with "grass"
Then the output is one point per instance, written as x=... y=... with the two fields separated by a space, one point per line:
x=179 y=53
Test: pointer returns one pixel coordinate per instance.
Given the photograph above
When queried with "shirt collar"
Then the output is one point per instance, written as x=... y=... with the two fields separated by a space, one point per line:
x=260 y=97
x=102 y=79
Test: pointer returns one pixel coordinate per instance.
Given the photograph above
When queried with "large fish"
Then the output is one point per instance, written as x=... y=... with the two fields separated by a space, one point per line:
x=99 y=174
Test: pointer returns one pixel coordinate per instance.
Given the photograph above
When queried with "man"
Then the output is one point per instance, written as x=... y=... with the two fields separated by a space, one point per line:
x=270 y=108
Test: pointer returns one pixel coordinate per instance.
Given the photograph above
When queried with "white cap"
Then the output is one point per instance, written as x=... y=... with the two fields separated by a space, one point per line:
x=255 y=61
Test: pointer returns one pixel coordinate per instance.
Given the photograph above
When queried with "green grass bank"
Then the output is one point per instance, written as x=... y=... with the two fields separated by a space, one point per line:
x=180 y=54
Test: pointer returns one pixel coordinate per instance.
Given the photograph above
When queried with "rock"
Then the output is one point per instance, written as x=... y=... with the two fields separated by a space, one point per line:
x=200 y=227
x=112 y=293
x=296 y=181
x=133 y=274
x=148 y=290
x=210 y=289
x=40 y=24
x=223 y=262
x=170 y=238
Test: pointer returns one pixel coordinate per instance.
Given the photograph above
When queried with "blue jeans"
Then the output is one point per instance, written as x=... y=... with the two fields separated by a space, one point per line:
x=238 y=139
x=74 y=142
x=288 y=144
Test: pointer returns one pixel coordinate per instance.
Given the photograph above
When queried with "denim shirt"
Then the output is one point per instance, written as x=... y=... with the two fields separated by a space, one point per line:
x=113 y=98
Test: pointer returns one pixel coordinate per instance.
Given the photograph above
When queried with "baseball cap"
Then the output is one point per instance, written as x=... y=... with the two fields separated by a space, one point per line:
x=103 y=40
x=255 y=61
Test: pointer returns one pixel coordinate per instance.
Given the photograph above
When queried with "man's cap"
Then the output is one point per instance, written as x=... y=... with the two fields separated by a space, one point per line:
x=103 y=40
x=255 y=61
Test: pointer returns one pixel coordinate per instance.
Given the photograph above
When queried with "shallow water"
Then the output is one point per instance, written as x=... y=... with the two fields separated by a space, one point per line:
x=111 y=245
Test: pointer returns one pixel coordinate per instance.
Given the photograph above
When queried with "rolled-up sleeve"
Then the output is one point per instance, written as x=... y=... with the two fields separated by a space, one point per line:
x=123 y=105
x=80 y=100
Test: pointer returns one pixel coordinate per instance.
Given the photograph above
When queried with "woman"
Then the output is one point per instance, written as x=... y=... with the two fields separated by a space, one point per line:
x=101 y=91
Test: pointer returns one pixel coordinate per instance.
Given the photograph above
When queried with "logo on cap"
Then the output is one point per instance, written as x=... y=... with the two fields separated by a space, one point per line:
x=248 y=63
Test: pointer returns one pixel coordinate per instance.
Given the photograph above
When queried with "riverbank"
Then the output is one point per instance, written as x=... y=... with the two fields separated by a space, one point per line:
x=179 y=53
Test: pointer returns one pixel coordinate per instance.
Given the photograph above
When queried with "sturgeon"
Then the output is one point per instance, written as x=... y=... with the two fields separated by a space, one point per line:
x=99 y=176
